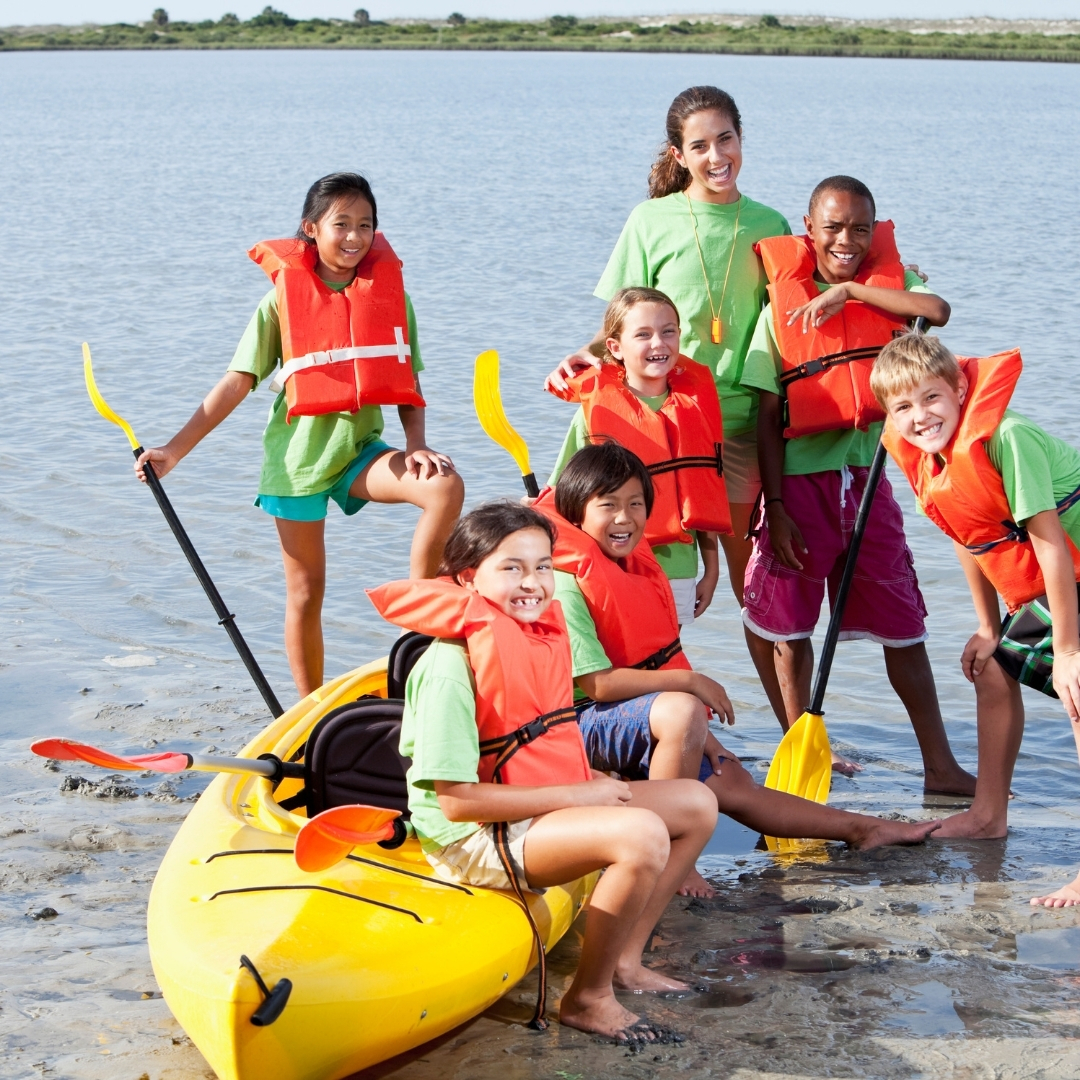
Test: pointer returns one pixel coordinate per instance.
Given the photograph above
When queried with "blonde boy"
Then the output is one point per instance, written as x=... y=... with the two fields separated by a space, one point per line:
x=1008 y=493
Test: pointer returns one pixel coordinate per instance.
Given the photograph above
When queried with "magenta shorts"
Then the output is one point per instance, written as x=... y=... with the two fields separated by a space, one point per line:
x=884 y=604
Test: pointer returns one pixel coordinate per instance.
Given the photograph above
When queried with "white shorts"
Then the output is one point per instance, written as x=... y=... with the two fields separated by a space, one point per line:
x=741 y=475
x=475 y=860
x=684 y=589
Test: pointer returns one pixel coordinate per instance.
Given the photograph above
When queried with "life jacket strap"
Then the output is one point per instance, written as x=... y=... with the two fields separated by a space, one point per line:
x=399 y=348
x=823 y=363
x=506 y=746
x=1017 y=533
x=692 y=461
x=660 y=657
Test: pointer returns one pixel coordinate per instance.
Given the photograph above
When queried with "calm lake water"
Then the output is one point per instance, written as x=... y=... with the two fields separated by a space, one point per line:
x=133 y=185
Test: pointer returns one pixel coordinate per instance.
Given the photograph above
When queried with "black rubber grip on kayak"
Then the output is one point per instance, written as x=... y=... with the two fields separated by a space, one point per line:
x=274 y=1001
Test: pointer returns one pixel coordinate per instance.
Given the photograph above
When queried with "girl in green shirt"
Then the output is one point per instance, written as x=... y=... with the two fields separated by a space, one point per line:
x=335 y=456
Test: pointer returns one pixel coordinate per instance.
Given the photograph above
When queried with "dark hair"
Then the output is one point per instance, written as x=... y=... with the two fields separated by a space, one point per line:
x=482 y=530
x=847 y=185
x=322 y=195
x=667 y=175
x=595 y=470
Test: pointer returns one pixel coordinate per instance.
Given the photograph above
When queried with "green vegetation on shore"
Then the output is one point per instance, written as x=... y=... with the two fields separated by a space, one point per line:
x=768 y=36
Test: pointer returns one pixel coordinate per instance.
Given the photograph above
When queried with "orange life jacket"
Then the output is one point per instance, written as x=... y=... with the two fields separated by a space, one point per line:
x=826 y=371
x=524 y=687
x=681 y=444
x=965 y=495
x=630 y=601
x=339 y=350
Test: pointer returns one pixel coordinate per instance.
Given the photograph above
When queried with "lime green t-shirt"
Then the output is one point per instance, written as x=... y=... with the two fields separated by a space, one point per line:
x=676 y=560
x=1037 y=469
x=439 y=733
x=310 y=454
x=657 y=249
x=586 y=653
x=827 y=450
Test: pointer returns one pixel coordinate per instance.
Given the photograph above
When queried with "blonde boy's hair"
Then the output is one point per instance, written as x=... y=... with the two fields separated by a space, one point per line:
x=906 y=361
x=622 y=303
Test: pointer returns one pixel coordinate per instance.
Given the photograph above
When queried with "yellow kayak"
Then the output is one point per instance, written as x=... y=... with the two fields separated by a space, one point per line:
x=381 y=955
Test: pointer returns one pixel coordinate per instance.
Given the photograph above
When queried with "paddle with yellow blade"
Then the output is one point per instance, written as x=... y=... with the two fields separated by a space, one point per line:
x=225 y=617
x=489 y=411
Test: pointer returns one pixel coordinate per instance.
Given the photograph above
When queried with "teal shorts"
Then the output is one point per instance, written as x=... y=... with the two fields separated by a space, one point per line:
x=314 y=507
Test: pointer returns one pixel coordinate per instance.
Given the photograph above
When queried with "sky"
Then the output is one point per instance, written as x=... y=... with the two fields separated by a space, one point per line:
x=27 y=12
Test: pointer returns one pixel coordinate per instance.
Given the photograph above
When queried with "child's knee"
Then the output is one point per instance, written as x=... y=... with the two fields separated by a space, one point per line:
x=680 y=717
x=644 y=840
x=449 y=491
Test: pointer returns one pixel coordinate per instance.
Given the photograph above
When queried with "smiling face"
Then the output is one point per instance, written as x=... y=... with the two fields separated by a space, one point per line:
x=712 y=154
x=617 y=521
x=841 y=228
x=928 y=414
x=343 y=236
x=517 y=577
x=647 y=347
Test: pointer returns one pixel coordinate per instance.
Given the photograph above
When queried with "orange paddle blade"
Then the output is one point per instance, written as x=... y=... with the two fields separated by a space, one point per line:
x=70 y=750
x=331 y=835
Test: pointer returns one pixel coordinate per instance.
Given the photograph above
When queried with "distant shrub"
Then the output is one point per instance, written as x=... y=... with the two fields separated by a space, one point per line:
x=561 y=24
x=160 y=17
x=770 y=22
x=361 y=16
x=272 y=17
x=229 y=19
x=455 y=18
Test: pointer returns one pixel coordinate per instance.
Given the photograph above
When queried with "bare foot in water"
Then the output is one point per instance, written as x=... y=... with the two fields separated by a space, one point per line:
x=1066 y=896
x=883 y=832
x=696 y=885
x=843 y=766
x=599 y=1013
x=952 y=783
x=972 y=826
x=639 y=978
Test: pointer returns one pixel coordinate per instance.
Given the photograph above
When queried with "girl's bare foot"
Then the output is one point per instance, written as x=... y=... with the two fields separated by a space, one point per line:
x=883 y=832
x=952 y=783
x=696 y=885
x=1066 y=896
x=972 y=826
x=599 y=1013
x=638 y=978
x=843 y=766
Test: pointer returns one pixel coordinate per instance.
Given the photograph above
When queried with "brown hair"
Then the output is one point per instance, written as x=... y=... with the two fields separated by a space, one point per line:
x=481 y=531
x=599 y=470
x=622 y=303
x=906 y=361
x=667 y=175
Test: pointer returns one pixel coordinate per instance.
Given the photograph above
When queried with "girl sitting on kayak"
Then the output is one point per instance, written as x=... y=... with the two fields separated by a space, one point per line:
x=338 y=330
x=491 y=731
x=643 y=711
x=664 y=407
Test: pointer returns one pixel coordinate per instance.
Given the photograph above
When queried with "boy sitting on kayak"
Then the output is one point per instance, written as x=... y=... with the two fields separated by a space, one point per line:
x=643 y=712
x=837 y=295
x=1008 y=494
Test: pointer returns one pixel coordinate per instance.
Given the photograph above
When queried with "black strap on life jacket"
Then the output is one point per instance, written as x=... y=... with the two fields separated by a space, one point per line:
x=659 y=658
x=506 y=746
x=500 y=832
x=823 y=363
x=691 y=461
x=1017 y=533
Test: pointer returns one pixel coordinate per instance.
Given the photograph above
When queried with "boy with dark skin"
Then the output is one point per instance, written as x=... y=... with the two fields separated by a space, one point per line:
x=811 y=488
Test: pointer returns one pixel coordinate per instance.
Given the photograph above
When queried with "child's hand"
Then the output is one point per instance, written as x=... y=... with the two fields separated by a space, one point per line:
x=716 y=753
x=571 y=365
x=713 y=696
x=914 y=268
x=162 y=458
x=784 y=536
x=977 y=651
x=1067 y=682
x=424 y=463
x=703 y=595
x=602 y=791
x=822 y=308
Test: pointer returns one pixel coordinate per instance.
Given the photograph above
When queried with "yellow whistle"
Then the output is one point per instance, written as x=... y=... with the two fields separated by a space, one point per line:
x=716 y=331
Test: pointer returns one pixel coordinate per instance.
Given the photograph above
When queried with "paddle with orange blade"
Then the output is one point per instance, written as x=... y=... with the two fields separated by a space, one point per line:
x=273 y=768
x=328 y=837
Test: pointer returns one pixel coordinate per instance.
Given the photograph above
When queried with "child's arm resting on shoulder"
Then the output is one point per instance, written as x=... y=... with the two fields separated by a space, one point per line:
x=620 y=684
x=231 y=389
x=984 y=641
x=509 y=802
x=908 y=305
x=1052 y=550
x=420 y=460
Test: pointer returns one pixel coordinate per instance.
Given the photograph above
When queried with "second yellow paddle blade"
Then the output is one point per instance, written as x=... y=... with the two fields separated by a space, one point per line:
x=100 y=403
x=802 y=764
x=489 y=410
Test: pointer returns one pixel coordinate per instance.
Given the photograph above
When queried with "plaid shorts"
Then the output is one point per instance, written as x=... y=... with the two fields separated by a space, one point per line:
x=1026 y=649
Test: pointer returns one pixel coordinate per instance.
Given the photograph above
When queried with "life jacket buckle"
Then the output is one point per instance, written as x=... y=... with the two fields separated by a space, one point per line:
x=812 y=367
x=530 y=731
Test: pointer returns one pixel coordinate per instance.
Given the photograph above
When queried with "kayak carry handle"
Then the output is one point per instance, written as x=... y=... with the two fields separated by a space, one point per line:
x=274 y=1001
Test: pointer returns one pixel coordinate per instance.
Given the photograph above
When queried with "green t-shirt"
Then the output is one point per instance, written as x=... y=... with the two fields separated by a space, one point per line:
x=827 y=450
x=657 y=249
x=1037 y=469
x=676 y=560
x=586 y=653
x=439 y=733
x=310 y=454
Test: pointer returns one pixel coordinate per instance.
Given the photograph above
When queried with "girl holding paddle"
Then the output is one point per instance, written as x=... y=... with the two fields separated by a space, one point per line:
x=339 y=333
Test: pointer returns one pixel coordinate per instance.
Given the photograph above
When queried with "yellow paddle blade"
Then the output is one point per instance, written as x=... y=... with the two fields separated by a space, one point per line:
x=99 y=402
x=489 y=410
x=802 y=764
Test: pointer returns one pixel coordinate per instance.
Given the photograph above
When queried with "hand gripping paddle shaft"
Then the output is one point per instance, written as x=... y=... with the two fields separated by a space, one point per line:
x=225 y=617
x=492 y=417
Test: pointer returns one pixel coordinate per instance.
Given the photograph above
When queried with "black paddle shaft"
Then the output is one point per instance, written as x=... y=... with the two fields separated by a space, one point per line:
x=225 y=617
x=532 y=488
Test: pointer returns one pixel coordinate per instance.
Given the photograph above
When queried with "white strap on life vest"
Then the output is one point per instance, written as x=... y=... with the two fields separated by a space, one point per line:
x=340 y=356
